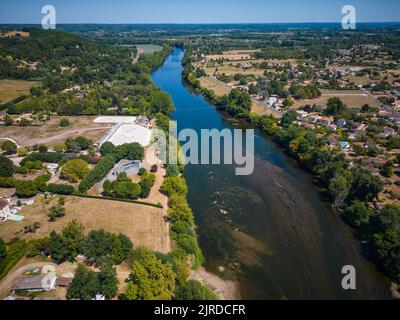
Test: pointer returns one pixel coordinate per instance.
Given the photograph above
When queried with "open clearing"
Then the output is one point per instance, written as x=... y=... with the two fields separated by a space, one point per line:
x=51 y=133
x=351 y=98
x=144 y=225
x=11 y=89
x=148 y=48
x=219 y=88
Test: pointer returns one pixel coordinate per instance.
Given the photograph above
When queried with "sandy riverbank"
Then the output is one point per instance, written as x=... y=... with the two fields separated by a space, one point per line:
x=226 y=289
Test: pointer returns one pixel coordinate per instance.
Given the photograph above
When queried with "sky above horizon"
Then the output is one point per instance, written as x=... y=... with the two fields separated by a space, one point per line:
x=198 y=11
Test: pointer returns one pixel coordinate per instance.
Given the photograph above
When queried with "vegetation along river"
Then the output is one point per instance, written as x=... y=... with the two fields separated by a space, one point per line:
x=271 y=231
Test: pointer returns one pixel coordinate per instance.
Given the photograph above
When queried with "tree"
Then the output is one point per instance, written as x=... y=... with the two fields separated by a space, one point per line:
x=146 y=183
x=6 y=167
x=179 y=209
x=364 y=186
x=3 y=249
x=288 y=118
x=130 y=151
x=150 y=279
x=173 y=185
x=172 y=170
x=9 y=146
x=73 y=235
x=83 y=142
x=100 y=244
x=74 y=170
x=339 y=187
x=358 y=214
x=56 y=212
x=107 y=282
x=194 y=290
x=64 y=122
x=84 y=286
x=387 y=169
x=42 y=148
x=107 y=148
x=122 y=188
x=57 y=247
x=72 y=145
x=335 y=106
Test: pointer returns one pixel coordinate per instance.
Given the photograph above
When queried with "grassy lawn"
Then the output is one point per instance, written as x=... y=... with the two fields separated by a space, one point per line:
x=142 y=224
x=11 y=89
x=149 y=48
x=219 y=88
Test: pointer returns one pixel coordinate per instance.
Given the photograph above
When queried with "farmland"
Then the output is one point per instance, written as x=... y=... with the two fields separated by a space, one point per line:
x=51 y=133
x=144 y=225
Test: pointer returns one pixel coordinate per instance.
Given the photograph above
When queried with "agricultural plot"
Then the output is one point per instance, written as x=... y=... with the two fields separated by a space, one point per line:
x=352 y=98
x=144 y=225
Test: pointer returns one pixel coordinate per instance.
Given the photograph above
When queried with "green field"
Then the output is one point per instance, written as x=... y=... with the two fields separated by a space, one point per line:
x=149 y=48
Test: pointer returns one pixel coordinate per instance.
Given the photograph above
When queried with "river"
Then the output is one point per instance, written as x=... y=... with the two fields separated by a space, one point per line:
x=270 y=231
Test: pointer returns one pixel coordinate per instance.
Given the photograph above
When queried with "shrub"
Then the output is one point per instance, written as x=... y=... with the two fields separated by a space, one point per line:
x=9 y=147
x=64 y=122
x=56 y=212
x=194 y=290
x=172 y=170
x=6 y=167
x=63 y=189
x=173 y=185
x=50 y=157
x=26 y=188
x=146 y=183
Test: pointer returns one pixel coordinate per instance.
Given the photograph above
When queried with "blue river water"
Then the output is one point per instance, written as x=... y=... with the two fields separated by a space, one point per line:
x=270 y=231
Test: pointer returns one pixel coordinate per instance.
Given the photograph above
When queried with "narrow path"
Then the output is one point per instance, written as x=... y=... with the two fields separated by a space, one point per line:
x=12 y=140
x=138 y=53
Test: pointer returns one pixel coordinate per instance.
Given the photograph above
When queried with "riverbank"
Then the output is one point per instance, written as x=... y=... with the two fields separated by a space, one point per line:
x=225 y=289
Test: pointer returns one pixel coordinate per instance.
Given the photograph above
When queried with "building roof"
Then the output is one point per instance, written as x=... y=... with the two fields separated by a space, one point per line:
x=63 y=281
x=3 y=203
x=28 y=283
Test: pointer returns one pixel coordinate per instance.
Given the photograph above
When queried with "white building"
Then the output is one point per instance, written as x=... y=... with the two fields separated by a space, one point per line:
x=128 y=133
x=4 y=210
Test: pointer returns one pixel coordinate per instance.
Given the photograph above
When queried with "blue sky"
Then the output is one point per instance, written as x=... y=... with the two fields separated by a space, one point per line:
x=197 y=11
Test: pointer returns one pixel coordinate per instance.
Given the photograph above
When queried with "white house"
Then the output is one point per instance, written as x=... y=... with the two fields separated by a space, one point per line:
x=4 y=210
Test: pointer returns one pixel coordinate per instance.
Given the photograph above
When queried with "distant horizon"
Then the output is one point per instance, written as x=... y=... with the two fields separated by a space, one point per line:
x=195 y=23
x=198 y=12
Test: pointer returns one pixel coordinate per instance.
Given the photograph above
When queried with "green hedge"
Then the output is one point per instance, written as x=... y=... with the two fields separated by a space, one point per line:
x=98 y=172
x=63 y=189
x=51 y=157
